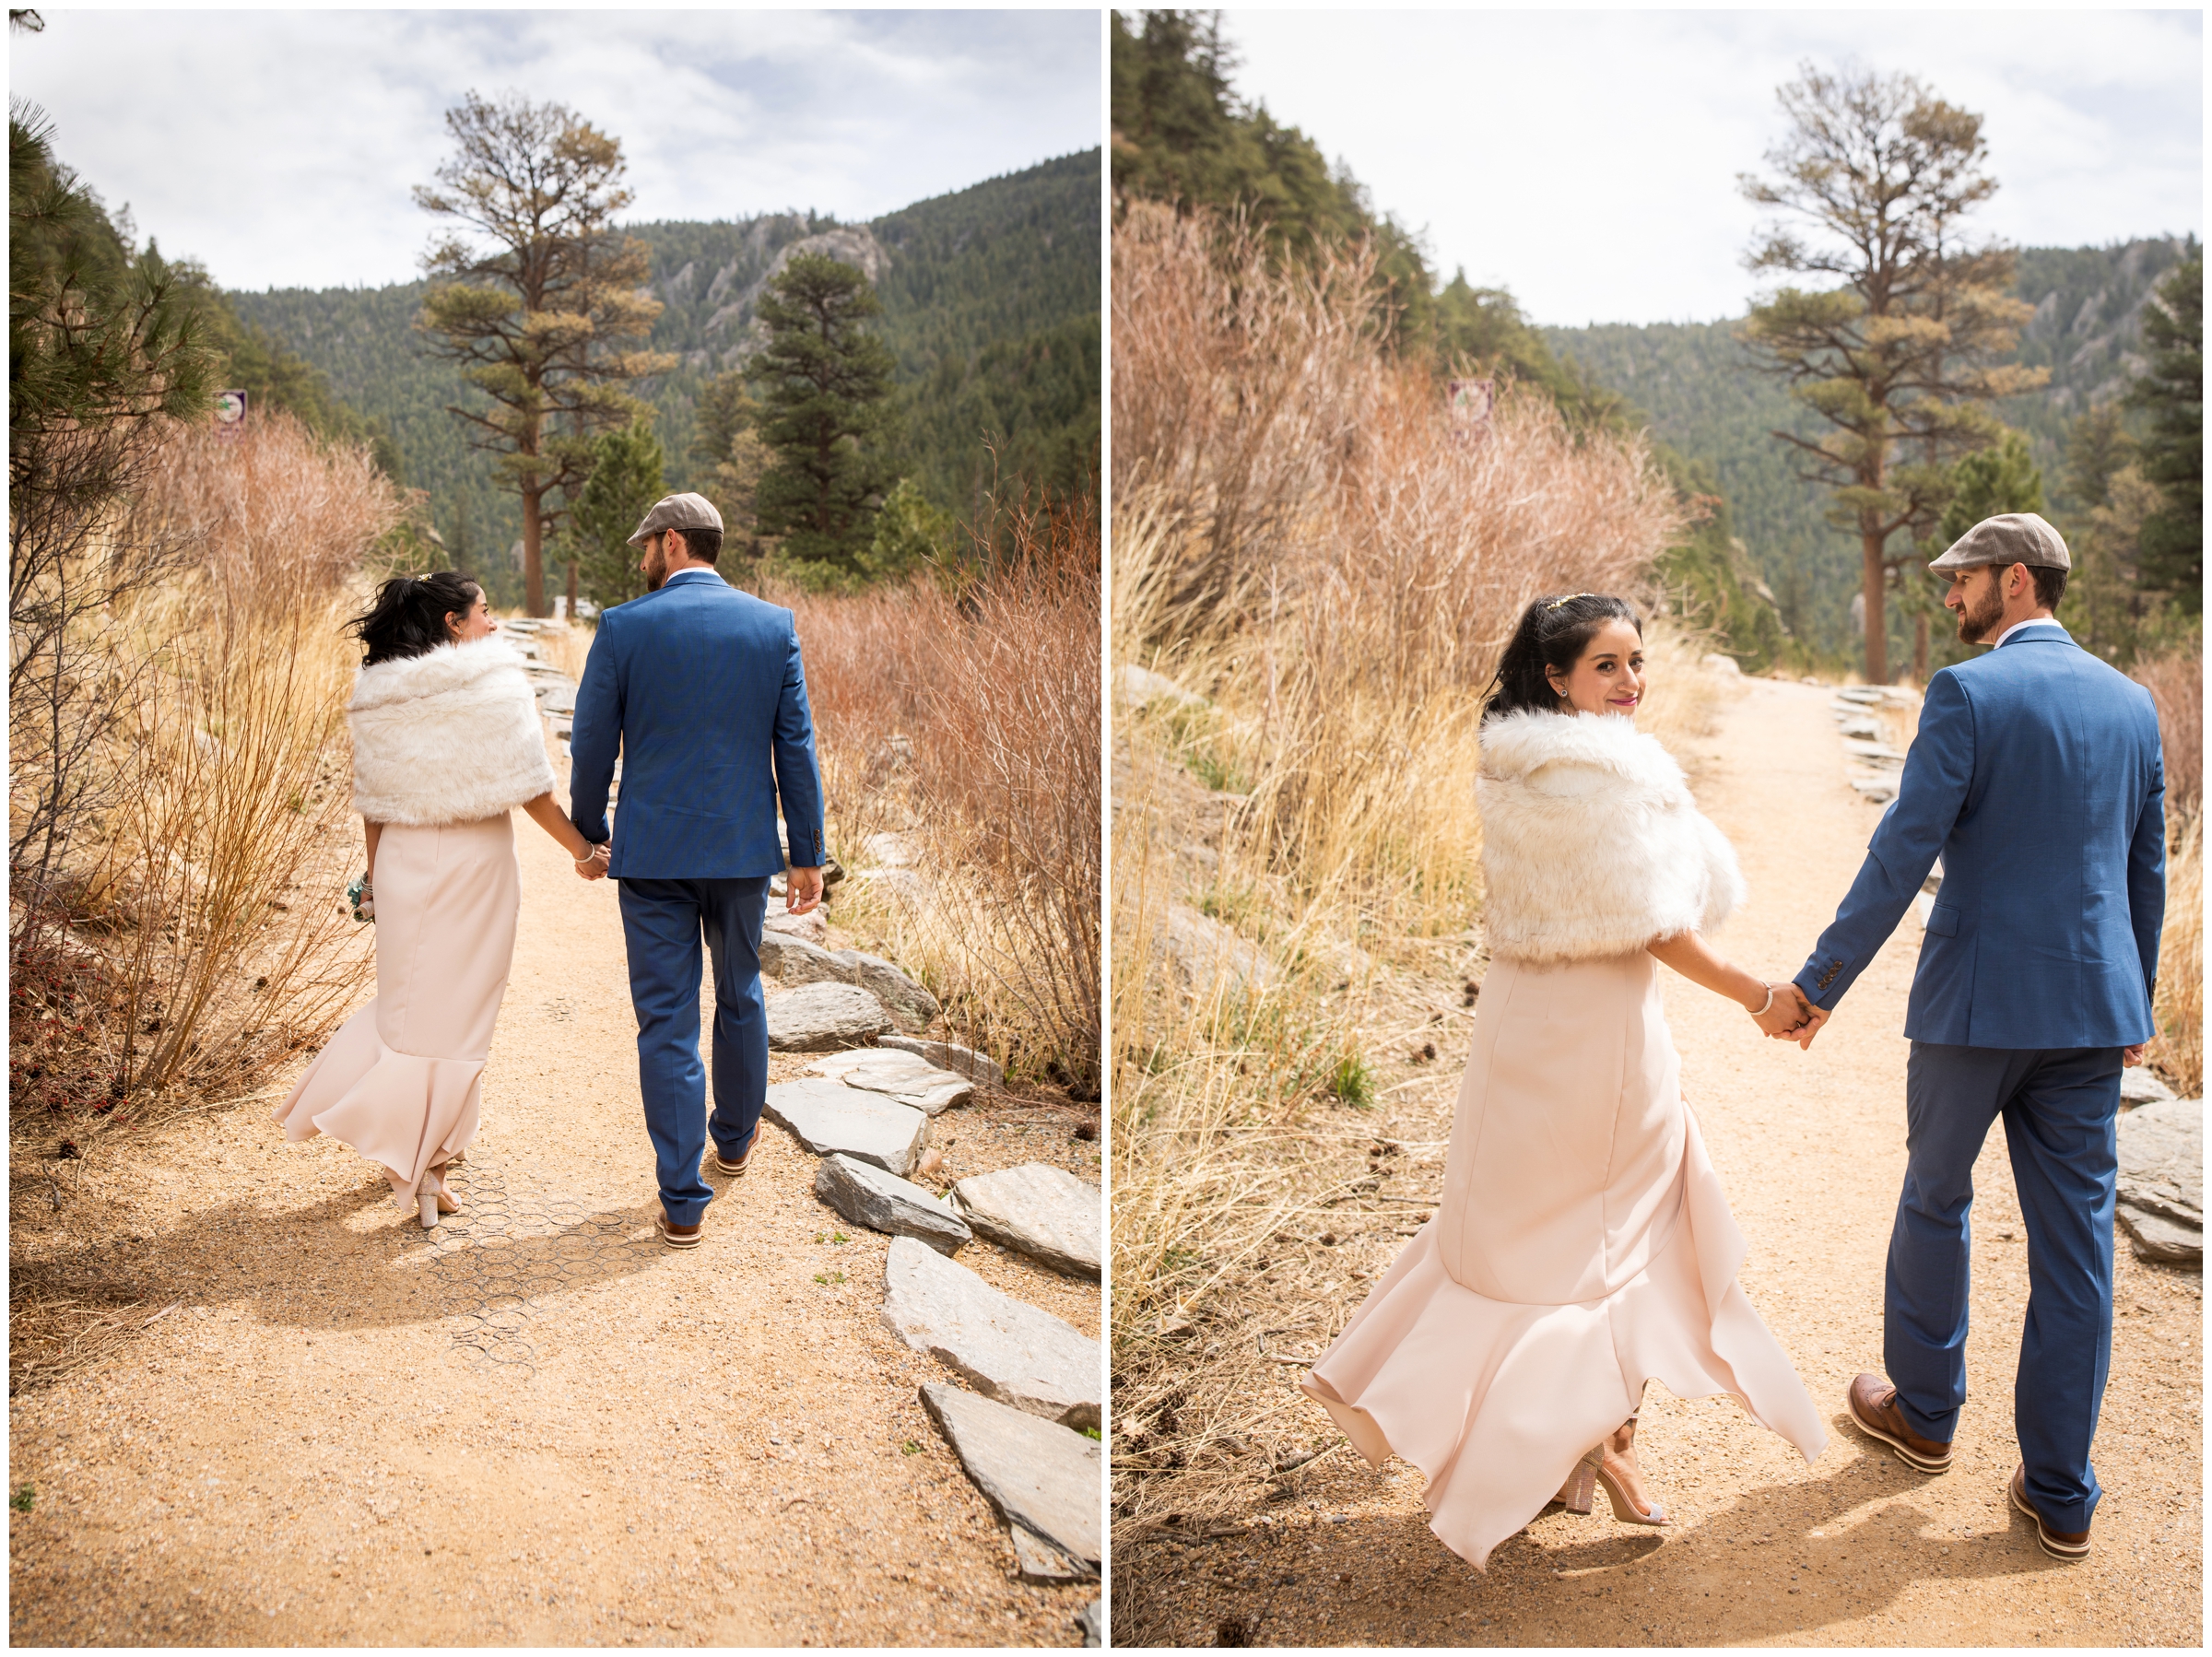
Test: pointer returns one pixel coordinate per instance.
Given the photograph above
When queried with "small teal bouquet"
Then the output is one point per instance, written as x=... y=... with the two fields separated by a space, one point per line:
x=362 y=896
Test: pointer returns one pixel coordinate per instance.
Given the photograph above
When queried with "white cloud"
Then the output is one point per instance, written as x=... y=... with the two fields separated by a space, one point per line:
x=1587 y=160
x=278 y=147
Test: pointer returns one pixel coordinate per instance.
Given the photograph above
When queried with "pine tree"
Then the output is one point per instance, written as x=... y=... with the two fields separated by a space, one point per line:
x=628 y=469
x=825 y=384
x=1900 y=356
x=2170 y=555
x=537 y=321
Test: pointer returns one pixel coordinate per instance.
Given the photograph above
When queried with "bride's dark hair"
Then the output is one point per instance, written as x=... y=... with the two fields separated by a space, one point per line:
x=1553 y=633
x=408 y=617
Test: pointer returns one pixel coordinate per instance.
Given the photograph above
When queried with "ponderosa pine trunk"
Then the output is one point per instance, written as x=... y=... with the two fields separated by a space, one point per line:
x=1877 y=639
x=533 y=575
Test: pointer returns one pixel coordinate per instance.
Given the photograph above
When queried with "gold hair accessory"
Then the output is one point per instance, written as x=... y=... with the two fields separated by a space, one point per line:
x=1556 y=603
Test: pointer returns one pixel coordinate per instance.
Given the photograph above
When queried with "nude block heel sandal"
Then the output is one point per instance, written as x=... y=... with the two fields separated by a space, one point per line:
x=1580 y=1488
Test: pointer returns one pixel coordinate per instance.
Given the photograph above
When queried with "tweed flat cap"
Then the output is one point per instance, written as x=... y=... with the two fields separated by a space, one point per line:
x=685 y=512
x=2008 y=539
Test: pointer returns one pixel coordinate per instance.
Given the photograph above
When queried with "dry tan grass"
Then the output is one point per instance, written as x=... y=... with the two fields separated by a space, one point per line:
x=2179 y=1051
x=1327 y=570
x=2176 y=682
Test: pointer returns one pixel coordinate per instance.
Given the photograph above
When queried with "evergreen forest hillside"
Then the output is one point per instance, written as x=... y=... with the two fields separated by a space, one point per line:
x=1703 y=397
x=990 y=305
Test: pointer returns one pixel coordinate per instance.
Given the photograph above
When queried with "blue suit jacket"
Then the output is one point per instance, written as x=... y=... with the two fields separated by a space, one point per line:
x=701 y=688
x=2036 y=772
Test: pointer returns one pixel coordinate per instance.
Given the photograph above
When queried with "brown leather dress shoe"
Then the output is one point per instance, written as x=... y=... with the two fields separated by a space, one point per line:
x=730 y=1170
x=1873 y=1405
x=675 y=1237
x=2060 y=1544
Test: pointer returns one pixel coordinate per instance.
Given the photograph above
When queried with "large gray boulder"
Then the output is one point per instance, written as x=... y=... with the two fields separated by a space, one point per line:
x=1005 y=1348
x=909 y=1005
x=869 y=1196
x=1038 y=1210
x=947 y=1055
x=1203 y=953
x=830 y=1118
x=794 y=961
x=2162 y=1185
x=1043 y=1478
x=906 y=1078
x=1140 y=688
x=823 y=1017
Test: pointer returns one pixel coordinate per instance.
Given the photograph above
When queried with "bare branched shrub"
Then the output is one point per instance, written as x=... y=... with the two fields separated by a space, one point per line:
x=963 y=711
x=194 y=921
x=2178 y=1000
x=2176 y=682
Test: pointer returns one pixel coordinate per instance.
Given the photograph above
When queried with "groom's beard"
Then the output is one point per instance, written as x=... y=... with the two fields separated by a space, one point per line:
x=657 y=572
x=1976 y=622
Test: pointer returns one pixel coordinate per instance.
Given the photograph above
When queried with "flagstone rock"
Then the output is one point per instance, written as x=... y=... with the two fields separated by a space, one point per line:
x=823 y=1017
x=1005 y=1348
x=869 y=1196
x=1091 y=1619
x=810 y=927
x=909 y=1005
x=1042 y=1477
x=794 y=960
x=1039 y=1561
x=949 y=1055
x=830 y=1118
x=2160 y=1199
x=1038 y=1210
x=906 y=1078
x=2141 y=1086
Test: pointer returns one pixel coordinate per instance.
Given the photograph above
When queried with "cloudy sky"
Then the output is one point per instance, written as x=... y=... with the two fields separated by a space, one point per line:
x=277 y=147
x=1587 y=160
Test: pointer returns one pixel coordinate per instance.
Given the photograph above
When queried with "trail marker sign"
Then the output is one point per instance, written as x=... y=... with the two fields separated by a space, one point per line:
x=230 y=414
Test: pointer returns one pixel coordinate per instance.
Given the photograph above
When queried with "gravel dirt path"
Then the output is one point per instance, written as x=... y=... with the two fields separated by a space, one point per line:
x=1853 y=1549
x=536 y=1426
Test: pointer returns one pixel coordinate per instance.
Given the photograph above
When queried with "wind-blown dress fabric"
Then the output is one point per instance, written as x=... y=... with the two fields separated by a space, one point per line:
x=445 y=745
x=1583 y=1244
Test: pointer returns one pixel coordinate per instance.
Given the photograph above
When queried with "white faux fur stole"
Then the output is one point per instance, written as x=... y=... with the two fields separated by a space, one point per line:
x=1591 y=843
x=448 y=736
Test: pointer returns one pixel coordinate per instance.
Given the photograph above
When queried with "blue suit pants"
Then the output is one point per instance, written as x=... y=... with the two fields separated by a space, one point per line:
x=2061 y=1108
x=662 y=923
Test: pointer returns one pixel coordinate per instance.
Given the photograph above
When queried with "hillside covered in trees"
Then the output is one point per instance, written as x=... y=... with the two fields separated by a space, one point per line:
x=990 y=305
x=1697 y=384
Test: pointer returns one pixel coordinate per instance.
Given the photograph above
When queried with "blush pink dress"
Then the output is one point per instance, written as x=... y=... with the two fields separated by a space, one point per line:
x=1582 y=1247
x=401 y=1082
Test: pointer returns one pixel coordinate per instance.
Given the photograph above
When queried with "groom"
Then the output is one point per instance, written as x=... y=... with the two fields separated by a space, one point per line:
x=700 y=687
x=2036 y=773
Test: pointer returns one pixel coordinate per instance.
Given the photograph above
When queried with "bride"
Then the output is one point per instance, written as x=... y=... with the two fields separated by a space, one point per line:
x=446 y=742
x=1582 y=1245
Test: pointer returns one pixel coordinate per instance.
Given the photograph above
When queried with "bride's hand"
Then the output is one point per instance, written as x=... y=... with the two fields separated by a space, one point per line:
x=1786 y=1013
x=593 y=866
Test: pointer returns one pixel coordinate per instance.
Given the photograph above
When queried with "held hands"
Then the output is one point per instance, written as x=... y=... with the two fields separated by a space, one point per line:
x=802 y=890
x=2132 y=1056
x=594 y=865
x=1791 y=1017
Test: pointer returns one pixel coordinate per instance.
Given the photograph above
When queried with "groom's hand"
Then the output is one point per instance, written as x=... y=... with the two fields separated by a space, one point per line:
x=802 y=890
x=2132 y=1056
x=595 y=866
x=1815 y=1018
